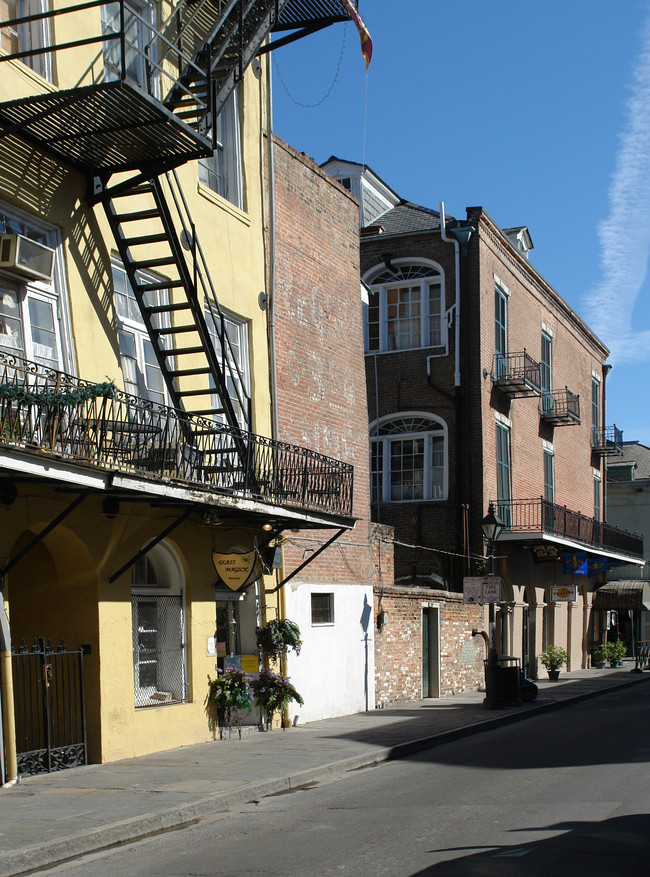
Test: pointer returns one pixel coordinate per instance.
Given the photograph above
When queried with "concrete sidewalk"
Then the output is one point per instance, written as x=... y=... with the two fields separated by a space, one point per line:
x=52 y=817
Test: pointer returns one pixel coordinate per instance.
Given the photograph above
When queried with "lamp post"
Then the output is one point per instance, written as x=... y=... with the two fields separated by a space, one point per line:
x=492 y=527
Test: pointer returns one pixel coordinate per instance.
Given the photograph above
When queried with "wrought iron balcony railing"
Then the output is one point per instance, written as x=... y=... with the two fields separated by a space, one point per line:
x=43 y=411
x=517 y=374
x=559 y=407
x=607 y=442
x=542 y=516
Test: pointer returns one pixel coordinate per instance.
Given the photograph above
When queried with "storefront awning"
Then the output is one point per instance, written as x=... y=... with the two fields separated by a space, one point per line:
x=623 y=595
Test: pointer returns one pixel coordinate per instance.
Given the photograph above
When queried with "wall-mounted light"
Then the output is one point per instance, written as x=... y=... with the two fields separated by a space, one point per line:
x=382 y=619
x=111 y=507
x=268 y=526
x=210 y=518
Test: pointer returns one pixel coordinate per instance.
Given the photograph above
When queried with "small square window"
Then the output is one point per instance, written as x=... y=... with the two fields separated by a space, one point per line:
x=322 y=608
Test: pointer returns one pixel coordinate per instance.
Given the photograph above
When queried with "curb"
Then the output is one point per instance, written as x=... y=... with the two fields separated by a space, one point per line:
x=30 y=860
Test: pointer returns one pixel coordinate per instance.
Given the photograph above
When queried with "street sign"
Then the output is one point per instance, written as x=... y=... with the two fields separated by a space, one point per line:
x=564 y=593
x=482 y=589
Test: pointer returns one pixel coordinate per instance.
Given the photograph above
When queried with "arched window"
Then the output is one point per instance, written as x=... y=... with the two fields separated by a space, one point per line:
x=406 y=309
x=159 y=665
x=409 y=458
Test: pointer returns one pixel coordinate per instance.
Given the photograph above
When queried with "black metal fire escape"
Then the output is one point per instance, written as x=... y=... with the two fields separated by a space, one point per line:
x=146 y=129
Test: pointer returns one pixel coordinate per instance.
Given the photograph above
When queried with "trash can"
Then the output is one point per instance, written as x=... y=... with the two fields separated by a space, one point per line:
x=503 y=682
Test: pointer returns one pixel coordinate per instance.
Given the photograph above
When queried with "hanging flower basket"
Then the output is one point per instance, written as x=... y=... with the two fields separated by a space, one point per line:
x=274 y=692
x=230 y=692
x=278 y=638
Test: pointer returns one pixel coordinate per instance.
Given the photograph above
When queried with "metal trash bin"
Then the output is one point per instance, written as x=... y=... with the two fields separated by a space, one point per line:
x=503 y=682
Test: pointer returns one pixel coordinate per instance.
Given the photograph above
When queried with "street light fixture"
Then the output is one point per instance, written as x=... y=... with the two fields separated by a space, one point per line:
x=492 y=527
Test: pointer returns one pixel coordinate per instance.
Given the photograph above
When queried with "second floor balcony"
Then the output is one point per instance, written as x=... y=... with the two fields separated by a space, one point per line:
x=559 y=407
x=607 y=442
x=517 y=374
x=540 y=518
x=47 y=412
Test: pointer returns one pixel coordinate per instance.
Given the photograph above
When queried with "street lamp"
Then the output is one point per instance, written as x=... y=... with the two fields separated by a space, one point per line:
x=492 y=527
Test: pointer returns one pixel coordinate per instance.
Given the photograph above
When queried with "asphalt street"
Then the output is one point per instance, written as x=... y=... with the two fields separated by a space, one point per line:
x=564 y=793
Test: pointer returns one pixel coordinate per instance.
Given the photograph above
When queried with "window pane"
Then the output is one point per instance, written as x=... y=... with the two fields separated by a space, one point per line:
x=322 y=608
x=435 y=315
x=11 y=330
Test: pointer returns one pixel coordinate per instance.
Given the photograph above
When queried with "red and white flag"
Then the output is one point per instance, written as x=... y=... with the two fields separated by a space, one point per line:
x=366 y=41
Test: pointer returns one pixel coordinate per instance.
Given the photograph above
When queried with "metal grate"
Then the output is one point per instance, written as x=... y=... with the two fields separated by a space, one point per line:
x=159 y=675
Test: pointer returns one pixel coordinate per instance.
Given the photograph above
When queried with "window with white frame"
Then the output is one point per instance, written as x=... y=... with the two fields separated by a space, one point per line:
x=140 y=369
x=222 y=171
x=409 y=458
x=30 y=310
x=238 y=376
x=322 y=608
x=140 y=21
x=406 y=309
x=158 y=629
x=28 y=36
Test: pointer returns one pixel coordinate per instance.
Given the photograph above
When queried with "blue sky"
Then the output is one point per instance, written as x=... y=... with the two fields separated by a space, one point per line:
x=537 y=111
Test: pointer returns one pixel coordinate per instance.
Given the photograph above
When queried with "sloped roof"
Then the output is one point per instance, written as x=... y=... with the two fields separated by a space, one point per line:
x=634 y=453
x=405 y=218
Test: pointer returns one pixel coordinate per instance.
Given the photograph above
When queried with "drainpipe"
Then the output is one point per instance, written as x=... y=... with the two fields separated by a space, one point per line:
x=443 y=234
x=606 y=370
x=7 y=699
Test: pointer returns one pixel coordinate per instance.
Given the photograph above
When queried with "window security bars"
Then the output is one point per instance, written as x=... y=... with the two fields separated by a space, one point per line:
x=159 y=675
x=46 y=411
x=542 y=516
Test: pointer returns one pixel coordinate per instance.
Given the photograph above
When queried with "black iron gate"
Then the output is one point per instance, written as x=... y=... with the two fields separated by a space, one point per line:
x=49 y=707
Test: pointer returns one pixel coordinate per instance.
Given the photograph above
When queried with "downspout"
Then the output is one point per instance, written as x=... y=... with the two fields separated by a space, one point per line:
x=7 y=699
x=606 y=370
x=443 y=234
x=275 y=426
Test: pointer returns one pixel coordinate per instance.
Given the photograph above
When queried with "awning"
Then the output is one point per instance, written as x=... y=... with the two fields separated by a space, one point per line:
x=623 y=595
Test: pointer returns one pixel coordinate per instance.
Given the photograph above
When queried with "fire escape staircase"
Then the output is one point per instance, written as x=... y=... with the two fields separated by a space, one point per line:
x=147 y=128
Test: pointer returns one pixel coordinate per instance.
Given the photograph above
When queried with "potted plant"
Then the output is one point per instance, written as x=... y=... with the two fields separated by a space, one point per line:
x=616 y=652
x=553 y=657
x=230 y=692
x=277 y=638
x=599 y=655
x=274 y=692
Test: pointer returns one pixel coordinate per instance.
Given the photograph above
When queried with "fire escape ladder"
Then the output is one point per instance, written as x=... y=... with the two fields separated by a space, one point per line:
x=194 y=368
x=227 y=46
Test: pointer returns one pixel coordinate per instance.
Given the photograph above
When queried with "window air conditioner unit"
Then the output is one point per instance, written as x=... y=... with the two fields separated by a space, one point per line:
x=25 y=256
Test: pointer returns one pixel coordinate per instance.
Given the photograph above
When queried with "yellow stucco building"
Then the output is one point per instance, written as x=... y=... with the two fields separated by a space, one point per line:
x=137 y=449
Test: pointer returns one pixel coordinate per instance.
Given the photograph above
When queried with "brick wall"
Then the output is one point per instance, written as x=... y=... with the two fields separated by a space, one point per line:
x=321 y=387
x=398 y=649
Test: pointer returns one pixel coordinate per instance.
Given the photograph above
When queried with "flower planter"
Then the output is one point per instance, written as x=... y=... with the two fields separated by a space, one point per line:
x=553 y=675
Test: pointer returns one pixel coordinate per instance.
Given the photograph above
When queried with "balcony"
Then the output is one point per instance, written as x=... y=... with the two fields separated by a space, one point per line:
x=560 y=407
x=47 y=412
x=539 y=517
x=516 y=374
x=607 y=442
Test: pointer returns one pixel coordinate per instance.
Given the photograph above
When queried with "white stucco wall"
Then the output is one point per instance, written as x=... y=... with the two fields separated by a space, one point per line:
x=335 y=671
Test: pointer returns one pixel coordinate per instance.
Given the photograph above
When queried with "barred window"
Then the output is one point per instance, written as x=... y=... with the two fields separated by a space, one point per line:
x=159 y=665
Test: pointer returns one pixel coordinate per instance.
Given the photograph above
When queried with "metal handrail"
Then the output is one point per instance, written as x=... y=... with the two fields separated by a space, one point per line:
x=608 y=436
x=45 y=411
x=520 y=367
x=542 y=516
x=560 y=404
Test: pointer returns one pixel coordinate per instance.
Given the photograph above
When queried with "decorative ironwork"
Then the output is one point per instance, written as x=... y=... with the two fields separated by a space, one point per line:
x=607 y=442
x=49 y=708
x=127 y=434
x=560 y=407
x=542 y=516
x=517 y=374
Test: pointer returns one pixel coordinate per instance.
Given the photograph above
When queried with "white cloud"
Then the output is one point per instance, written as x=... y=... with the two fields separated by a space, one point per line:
x=625 y=234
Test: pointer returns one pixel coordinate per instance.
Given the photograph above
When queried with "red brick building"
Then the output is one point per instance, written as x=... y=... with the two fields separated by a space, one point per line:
x=483 y=386
x=315 y=322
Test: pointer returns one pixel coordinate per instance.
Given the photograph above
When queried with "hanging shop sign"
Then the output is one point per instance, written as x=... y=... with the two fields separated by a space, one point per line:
x=236 y=571
x=564 y=593
x=482 y=589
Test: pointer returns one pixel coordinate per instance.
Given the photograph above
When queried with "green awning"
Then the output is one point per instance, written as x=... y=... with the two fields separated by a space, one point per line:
x=623 y=595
